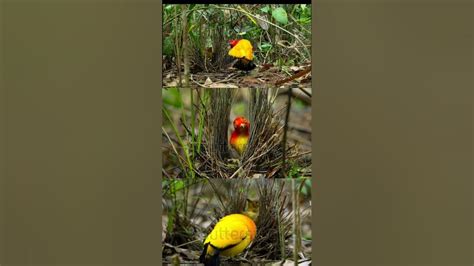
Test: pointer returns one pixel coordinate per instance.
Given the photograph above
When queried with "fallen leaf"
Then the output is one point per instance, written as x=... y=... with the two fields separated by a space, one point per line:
x=295 y=68
x=262 y=23
x=208 y=81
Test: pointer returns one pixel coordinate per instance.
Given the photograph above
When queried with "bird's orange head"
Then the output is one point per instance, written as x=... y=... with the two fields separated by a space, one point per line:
x=233 y=43
x=241 y=124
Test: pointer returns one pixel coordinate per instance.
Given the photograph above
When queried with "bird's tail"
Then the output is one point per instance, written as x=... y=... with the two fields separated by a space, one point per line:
x=213 y=260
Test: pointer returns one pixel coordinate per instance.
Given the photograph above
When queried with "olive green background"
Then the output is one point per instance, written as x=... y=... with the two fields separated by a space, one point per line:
x=80 y=132
x=393 y=133
x=83 y=132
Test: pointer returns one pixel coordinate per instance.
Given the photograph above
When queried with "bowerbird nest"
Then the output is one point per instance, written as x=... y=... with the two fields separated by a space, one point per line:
x=264 y=155
x=274 y=222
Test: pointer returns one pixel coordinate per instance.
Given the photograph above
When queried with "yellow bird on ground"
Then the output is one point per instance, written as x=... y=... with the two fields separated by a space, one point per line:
x=230 y=236
x=242 y=49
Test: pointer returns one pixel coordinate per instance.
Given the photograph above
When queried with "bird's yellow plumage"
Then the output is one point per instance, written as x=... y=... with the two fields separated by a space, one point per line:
x=243 y=49
x=231 y=235
x=240 y=136
x=240 y=143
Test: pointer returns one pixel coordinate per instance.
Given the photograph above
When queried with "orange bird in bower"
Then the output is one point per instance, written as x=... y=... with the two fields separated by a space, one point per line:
x=240 y=136
x=230 y=236
x=242 y=49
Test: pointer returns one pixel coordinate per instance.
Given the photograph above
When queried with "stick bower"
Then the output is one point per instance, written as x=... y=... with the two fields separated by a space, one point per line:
x=263 y=156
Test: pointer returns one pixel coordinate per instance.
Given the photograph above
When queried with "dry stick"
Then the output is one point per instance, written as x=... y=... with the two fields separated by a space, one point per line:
x=290 y=93
x=305 y=92
x=298 y=218
x=295 y=76
x=287 y=117
x=174 y=149
x=199 y=84
x=184 y=244
x=252 y=158
x=175 y=141
x=281 y=230
x=165 y=173
x=196 y=203
x=216 y=190
x=298 y=95
x=294 y=203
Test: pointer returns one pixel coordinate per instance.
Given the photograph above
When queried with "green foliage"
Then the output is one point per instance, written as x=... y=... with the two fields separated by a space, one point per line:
x=265 y=47
x=304 y=14
x=265 y=9
x=294 y=172
x=168 y=46
x=176 y=185
x=172 y=97
x=279 y=14
x=277 y=31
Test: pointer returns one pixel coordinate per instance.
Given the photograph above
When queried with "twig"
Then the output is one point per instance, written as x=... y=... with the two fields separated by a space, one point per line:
x=184 y=244
x=298 y=95
x=285 y=131
x=295 y=76
x=174 y=149
x=305 y=92
x=165 y=173
x=199 y=84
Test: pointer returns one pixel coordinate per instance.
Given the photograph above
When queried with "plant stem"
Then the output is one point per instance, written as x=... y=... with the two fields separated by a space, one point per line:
x=285 y=130
x=185 y=44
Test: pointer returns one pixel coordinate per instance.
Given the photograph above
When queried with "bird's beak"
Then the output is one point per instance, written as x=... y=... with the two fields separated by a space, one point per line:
x=242 y=125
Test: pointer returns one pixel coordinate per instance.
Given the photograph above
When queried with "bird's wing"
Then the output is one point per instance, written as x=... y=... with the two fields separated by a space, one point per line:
x=243 y=49
x=227 y=234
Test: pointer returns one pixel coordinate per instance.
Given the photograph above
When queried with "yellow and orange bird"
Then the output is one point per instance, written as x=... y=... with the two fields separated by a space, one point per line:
x=242 y=49
x=230 y=236
x=240 y=136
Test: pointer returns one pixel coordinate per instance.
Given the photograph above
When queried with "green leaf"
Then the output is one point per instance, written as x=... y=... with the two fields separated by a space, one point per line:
x=304 y=20
x=265 y=47
x=265 y=9
x=177 y=185
x=279 y=14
